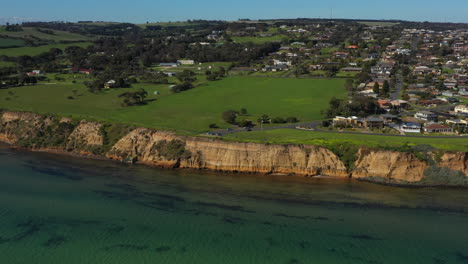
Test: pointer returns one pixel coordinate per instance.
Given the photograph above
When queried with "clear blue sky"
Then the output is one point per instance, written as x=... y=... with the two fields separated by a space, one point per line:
x=177 y=10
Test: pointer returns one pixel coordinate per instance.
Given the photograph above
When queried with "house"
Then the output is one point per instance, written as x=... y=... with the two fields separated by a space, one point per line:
x=388 y=118
x=423 y=70
x=400 y=104
x=34 y=73
x=110 y=84
x=279 y=62
x=348 y=121
x=275 y=68
x=341 y=55
x=186 y=62
x=374 y=122
x=169 y=65
x=426 y=116
x=461 y=109
x=384 y=104
x=463 y=92
x=411 y=127
x=81 y=71
x=382 y=68
x=457 y=122
x=437 y=128
x=170 y=74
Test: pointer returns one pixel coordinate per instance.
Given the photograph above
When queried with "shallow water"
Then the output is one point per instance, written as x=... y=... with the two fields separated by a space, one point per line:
x=58 y=209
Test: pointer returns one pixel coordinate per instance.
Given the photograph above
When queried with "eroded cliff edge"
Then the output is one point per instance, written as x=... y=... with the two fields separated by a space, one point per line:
x=166 y=149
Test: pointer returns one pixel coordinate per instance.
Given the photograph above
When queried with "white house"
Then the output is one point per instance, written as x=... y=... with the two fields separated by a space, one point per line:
x=279 y=62
x=186 y=62
x=461 y=109
x=411 y=127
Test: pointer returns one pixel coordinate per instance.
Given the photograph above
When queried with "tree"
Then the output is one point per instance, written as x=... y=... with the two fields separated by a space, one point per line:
x=292 y=119
x=230 y=116
x=243 y=111
x=134 y=98
x=349 y=86
x=376 y=88
x=245 y=123
x=265 y=119
x=386 y=88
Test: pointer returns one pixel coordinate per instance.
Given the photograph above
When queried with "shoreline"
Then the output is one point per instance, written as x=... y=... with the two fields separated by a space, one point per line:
x=89 y=156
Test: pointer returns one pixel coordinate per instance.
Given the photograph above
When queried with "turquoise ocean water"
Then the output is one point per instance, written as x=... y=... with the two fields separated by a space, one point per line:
x=60 y=209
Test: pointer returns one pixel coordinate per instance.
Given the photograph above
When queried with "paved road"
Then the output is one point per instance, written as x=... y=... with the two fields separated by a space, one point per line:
x=398 y=86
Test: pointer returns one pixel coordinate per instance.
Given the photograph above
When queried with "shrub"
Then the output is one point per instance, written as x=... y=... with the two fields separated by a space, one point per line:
x=172 y=150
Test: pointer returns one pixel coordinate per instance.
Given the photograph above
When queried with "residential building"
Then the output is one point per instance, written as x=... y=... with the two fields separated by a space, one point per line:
x=186 y=62
x=461 y=109
x=437 y=128
x=426 y=116
x=411 y=127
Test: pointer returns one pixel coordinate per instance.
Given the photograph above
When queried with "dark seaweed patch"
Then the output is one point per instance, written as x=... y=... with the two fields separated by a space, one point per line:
x=162 y=249
x=53 y=172
x=126 y=247
x=319 y=218
x=364 y=237
x=116 y=229
x=55 y=241
x=293 y=261
x=462 y=257
x=271 y=242
x=304 y=244
x=235 y=208
x=233 y=220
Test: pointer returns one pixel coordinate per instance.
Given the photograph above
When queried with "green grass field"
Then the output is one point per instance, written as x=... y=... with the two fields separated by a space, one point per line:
x=57 y=36
x=258 y=40
x=33 y=51
x=292 y=136
x=6 y=64
x=10 y=42
x=191 y=111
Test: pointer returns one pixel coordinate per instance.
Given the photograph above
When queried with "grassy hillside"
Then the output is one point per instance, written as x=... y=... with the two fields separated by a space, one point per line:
x=33 y=51
x=57 y=35
x=291 y=136
x=190 y=111
x=10 y=42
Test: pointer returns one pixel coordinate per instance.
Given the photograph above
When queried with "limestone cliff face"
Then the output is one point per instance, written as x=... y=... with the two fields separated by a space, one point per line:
x=18 y=125
x=86 y=134
x=166 y=149
x=390 y=165
x=218 y=155
x=455 y=161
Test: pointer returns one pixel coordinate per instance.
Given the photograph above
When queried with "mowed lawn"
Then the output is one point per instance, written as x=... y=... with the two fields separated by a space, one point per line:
x=293 y=136
x=191 y=111
x=33 y=51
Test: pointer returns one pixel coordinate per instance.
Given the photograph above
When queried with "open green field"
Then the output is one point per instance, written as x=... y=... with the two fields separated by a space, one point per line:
x=10 y=42
x=6 y=64
x=293 y=136
x=346 y=74
x=257 y=40
x=57 y=35
x=191 y=111
x=33 y=51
